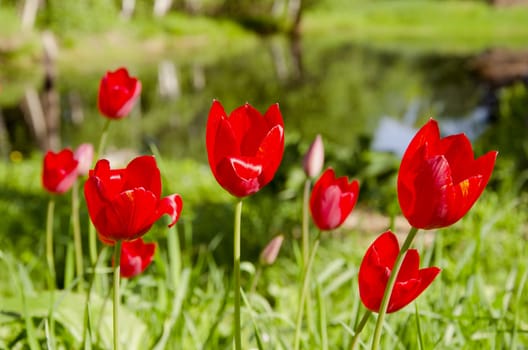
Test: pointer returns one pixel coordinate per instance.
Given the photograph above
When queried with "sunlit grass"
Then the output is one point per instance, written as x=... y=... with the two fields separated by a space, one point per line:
x=452 y=26
x=476 y=302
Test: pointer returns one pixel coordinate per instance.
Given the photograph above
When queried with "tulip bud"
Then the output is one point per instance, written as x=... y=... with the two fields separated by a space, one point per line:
x=84 y=155
x=271 y=251
x=314 y=158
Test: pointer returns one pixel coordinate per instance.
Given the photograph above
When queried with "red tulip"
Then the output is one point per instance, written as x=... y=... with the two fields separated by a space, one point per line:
x=376 y=268
x=117 y=93
x=59 y=171
x=439 y=180
x=332 y=200
x=124 y=203
x=244 y=149
x=136 y=256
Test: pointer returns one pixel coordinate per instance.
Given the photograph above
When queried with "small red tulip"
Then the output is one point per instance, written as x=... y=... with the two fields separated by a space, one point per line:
x=439 y=179
x=59 y=171
x=244 y=149
x=332 y=200
x=117 y=93
x=136 y=256
x=124 y=203
x=376 y=268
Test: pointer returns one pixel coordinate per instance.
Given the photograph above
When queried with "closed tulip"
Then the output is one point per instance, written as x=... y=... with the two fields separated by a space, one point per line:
x=136 y=256
x=118 y=92
x=59 y=171
x=124 y=203
x=313 y=160
x=376 y=268
x=332 y=200
x=439 y=179
x=245 y=148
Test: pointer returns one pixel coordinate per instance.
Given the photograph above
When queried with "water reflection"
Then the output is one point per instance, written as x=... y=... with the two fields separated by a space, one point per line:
x=342 y=90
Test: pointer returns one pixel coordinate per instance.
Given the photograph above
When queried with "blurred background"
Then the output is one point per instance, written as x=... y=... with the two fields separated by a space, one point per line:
x=364 y=74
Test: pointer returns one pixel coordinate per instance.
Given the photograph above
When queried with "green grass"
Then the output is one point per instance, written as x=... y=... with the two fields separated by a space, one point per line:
x=183 y=301
x=452 y=26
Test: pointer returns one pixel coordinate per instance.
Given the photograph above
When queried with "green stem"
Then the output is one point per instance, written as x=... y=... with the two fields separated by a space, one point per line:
x=359 y=328
x=102 y=140
x=305 y=223
x=306 y=245
x=305 y=287
x=236 y=268
x=390 y=285
x=77 y=237
x=51 y=265
x=117 y=301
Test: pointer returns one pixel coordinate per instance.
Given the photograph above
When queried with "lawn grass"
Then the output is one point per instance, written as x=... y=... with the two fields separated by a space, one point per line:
x=184 y=299
x=447 y=26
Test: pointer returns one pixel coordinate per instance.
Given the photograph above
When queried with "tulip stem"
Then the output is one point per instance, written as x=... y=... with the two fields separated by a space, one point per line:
x=51 y=266
x=359 y=328
x=236 y=268
x=102 y=140
x=304 y=293
x=77 y=237
x=390 y=285
x=306 y=244
x=117 y=301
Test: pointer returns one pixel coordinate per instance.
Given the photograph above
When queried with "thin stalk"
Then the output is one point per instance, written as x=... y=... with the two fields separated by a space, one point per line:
x=92 y=236
x=305 y=287
x=87 y=328
x=102 y=140
x=306 y=245
x=305 y=224
x=418 y=327
x=117 y=301
x=79 y=268
x=51 y=266
x=175 y=263
x=236 y=268
x=390 y=285
x=359 y=328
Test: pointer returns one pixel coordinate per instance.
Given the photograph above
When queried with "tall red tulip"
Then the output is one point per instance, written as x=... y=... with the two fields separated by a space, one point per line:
x=59 y=171
x=332 y=200
x=376 y=268
x=117 y=93
x=439 y=179
x=136 y=256
x=244 y=149
x=124 y=203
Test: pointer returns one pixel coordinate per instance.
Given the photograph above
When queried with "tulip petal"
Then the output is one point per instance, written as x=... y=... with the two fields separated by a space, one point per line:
x=249 y=127
x=270 y=153
x=216 y=115
x=428 y=134
x=273 y=116
x=376 y=268
x=239 y=176
x=171 y=205
x=128 y=216
x=143 y=172
x=136 y=255
x=59 y=171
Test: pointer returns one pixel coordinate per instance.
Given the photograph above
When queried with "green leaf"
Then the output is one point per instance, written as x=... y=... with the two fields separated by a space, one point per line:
x=69 y=312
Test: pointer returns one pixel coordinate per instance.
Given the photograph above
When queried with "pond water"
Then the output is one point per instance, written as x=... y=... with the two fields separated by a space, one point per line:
x=351 y=94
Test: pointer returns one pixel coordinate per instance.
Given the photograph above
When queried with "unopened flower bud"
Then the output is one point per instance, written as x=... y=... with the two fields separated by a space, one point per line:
x=84 y=155
x=271 y=251
x=314 y=158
